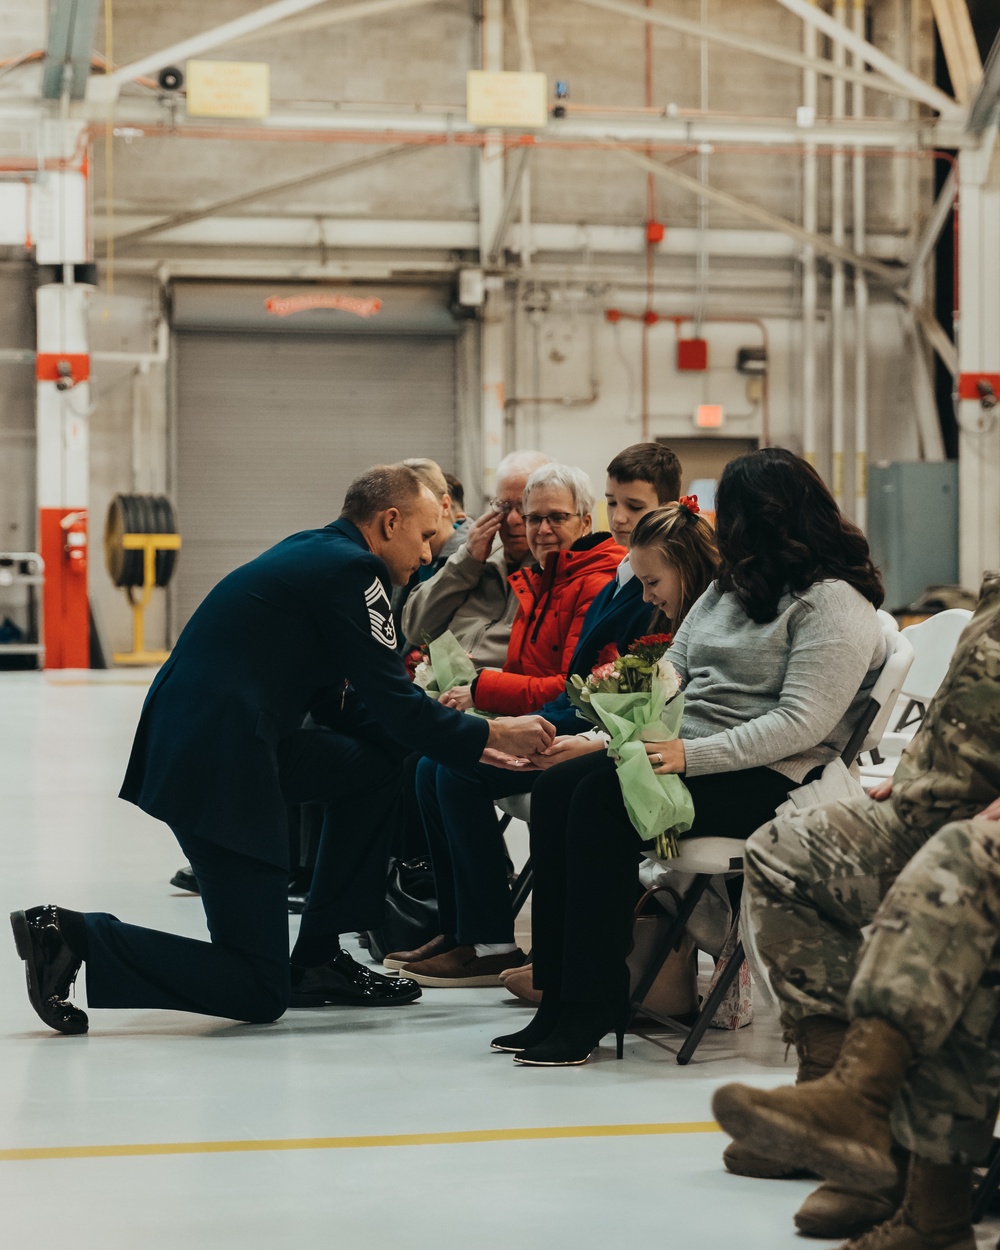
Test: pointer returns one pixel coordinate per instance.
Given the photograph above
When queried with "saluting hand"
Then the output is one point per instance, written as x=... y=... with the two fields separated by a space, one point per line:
x=482 y=532
x=520 y=735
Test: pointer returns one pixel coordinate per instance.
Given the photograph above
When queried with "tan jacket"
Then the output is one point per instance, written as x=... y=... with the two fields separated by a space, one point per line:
x=471 y=598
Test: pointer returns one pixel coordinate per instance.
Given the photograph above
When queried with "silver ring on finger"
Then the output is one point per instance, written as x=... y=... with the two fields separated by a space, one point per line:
x=658 y=759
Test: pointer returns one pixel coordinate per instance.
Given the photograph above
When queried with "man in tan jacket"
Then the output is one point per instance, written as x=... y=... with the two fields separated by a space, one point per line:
x=470 y=594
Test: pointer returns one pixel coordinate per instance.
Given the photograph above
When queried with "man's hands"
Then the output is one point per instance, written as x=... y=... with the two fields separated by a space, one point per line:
x=567 y=747
x=520 y=735
x=482 y=532
x=882 y=791
x=458 y=697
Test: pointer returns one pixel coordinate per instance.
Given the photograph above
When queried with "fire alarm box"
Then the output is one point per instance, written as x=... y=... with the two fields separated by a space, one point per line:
x=692 y=355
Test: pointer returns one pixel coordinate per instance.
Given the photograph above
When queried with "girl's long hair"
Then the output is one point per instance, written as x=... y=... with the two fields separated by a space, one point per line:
x=686 y=541
x=781 y=531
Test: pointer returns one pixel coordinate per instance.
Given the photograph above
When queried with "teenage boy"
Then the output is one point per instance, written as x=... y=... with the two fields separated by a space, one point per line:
x=640 y=478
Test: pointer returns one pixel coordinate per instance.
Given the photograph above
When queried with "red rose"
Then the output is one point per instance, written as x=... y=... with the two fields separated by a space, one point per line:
x=608 y=655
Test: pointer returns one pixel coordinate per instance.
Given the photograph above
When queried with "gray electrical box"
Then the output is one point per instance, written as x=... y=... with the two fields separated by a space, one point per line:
x=913 y=526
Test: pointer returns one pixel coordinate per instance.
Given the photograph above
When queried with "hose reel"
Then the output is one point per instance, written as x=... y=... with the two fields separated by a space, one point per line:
x=140 y=551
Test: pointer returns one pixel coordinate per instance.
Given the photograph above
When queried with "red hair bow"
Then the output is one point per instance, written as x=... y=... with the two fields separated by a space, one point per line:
x=690 y=503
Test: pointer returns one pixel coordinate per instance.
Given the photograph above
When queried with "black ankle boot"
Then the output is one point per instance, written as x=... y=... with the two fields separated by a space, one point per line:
x=537 y=1031
x=578 y=1030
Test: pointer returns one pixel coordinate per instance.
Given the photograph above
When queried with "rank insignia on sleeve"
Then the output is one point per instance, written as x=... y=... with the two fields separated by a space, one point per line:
x=380 y=614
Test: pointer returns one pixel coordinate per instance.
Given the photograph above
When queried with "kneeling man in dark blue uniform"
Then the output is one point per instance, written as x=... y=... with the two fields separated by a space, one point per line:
x=220 y=752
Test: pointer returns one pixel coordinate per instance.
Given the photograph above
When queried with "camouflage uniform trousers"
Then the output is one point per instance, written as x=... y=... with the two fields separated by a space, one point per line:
x=817 y=877
x=931 y=968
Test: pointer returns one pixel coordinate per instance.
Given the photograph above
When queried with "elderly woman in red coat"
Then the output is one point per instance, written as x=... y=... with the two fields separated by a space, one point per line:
x=571 y=567
x=470 y=868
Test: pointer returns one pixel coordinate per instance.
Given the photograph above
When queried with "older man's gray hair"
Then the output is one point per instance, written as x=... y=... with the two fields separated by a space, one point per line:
x=564 y=477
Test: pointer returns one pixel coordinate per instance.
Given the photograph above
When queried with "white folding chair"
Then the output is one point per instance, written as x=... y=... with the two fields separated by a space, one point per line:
x=933 y=642
x=706 y=858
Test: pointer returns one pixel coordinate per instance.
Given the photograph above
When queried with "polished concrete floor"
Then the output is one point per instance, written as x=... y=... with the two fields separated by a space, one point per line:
x=337 y=1127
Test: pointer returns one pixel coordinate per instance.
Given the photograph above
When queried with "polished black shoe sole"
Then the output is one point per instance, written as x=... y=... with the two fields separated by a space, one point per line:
x=348 y=1000
x=56 y=1013
x=184 y=879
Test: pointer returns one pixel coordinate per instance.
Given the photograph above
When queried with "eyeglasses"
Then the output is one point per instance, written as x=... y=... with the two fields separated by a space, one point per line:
x=557 y=520
x=501 y=505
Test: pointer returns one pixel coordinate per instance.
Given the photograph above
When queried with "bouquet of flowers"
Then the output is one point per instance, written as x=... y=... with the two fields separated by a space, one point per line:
x=636 y=698
x=444 y=666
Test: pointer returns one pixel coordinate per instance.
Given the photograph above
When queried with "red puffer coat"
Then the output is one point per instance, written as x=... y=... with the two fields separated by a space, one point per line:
x=553 y=602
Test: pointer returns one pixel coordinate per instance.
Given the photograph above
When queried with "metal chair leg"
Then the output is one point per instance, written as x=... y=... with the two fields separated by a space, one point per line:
x=671 y=939
x=711 y=1004
x=988 y=1186
x=522 y=887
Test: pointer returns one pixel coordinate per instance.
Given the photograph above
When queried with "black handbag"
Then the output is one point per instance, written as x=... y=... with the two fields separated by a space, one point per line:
x=411 y=909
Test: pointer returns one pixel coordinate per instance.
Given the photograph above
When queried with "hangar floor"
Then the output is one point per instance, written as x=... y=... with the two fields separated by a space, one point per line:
x=343 y=1127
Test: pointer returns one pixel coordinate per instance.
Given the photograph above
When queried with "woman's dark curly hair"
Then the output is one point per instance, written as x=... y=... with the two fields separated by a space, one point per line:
x=780 y=530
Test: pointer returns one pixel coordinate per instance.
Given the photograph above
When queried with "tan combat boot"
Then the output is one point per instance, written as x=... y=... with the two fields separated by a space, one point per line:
x=936 y=1213
x=835 y=1211
x=837 y=1126
x=817 y=1041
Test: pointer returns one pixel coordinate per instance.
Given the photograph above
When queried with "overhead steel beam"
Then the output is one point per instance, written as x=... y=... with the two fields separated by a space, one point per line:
x=341 y=170
x=69 y=46
x=931 y=232
x=958 y=42
x=823 y=245
x=146 y=116
x=933 y=97
x=986 y=104
x=107 y=87
x=746 y=43
x=331 y=17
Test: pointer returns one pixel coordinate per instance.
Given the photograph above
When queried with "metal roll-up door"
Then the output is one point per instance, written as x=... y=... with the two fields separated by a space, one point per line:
x=271 y=429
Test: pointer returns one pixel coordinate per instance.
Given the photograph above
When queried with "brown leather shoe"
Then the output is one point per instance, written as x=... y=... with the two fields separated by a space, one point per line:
x=462 y=967
x=436 y=946
x=518 y=982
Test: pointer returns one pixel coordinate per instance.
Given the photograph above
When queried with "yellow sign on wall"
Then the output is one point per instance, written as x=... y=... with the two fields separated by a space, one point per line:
x=506 y=99
x=228 y=88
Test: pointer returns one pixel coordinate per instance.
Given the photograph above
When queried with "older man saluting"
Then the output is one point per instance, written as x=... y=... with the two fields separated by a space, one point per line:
x=219 y=753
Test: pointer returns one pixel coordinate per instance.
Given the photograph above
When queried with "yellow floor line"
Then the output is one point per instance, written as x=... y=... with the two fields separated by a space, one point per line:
x=356 y=1143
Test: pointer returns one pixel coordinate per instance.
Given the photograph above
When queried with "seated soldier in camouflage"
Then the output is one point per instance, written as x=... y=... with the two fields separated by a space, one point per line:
x=815 y=879
x=919 y=1070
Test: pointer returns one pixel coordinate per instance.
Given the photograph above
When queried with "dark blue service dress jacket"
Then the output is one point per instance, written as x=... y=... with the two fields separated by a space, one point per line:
x=275 y=637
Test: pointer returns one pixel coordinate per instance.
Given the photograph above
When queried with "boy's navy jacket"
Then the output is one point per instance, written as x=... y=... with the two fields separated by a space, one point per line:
x=277 y=637
x=610 y=618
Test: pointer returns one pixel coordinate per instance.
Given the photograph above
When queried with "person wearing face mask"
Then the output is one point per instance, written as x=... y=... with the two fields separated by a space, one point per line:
x=219 y=752
x=777 y=658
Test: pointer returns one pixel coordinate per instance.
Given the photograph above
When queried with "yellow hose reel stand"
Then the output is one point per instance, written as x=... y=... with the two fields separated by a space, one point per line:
x=140 y=550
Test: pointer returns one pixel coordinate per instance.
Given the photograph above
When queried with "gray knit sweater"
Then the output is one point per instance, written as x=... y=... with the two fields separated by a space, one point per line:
x=785 y=695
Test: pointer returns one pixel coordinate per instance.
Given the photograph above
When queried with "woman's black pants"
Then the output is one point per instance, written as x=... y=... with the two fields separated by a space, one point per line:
x=585 y=859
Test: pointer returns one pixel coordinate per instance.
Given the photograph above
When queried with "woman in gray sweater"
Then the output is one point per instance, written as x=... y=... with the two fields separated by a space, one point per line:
x=777 y=658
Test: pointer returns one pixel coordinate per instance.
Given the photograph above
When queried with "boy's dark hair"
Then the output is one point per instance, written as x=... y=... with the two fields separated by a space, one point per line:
x=649 y=462
x=456 y=490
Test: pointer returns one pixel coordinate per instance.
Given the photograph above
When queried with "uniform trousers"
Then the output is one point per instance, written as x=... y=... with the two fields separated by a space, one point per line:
x=467 y=847
x=931 y=968
x=243 y=972
x=585 y=858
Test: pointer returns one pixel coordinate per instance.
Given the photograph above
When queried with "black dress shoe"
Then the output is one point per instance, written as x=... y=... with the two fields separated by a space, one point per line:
x=344 y=982
x=578 y=1030
x=184 y=879
x=50 y=966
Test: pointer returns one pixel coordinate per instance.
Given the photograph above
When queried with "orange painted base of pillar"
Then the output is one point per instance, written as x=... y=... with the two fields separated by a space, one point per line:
x=65 y=613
